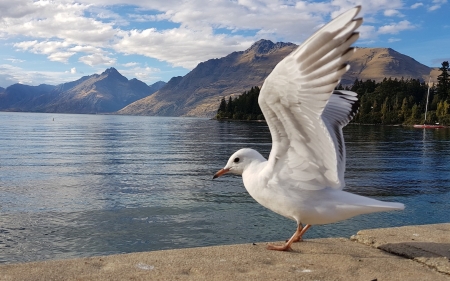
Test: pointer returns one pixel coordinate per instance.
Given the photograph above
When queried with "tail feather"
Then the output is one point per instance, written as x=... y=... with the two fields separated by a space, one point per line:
x=352 y=205
x=355 y=200
x=387 y=205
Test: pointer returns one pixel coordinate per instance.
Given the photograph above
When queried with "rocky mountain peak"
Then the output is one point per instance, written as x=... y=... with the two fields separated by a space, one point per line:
x=261 y=47
x=107 y=92
x=113 y=73
x=264 y=46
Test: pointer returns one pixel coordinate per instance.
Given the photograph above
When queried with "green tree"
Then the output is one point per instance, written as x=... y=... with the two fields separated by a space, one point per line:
x=385 y=112
x=404 y=111
x=230 y=108
x=443 y=86
x=415 y=114
x=391 y=101
x=223 y=105
x=244 y=107
x=442 y=109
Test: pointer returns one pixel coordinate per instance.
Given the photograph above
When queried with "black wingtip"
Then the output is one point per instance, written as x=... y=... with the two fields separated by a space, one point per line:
x=355 y=103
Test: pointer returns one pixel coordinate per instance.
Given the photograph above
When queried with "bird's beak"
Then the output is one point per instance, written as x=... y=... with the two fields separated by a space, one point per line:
x=221 y=172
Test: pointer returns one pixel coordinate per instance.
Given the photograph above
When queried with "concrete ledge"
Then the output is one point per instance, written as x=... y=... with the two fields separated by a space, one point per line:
x=316 y=259
x=427 y=244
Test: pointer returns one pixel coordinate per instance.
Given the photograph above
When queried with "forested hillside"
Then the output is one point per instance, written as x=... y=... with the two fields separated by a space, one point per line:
x=389 y=102
x=244 y=107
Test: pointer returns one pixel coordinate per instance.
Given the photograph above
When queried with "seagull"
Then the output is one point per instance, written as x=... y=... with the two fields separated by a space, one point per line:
x=303 y=177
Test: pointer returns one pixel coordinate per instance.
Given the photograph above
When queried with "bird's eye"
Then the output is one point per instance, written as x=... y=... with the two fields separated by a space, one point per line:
x=236 y=160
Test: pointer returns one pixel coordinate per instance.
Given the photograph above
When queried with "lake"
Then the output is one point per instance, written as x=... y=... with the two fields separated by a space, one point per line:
x=86 y=185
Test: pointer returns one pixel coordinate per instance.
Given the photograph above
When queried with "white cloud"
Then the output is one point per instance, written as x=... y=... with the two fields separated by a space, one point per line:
x=18 y=9
x=10 y=74
x=103 y=14
x=25 y=45
x=368 y=7
x=60 y=56
x=13 y=60
x=181 y=33
x=58 y=19
x=437 y=4
x=395 y=28
x=73 y=70
x=182 y=47
x=416 y=5
x=130 y=64
x=91 y=27
x=142 y=73
x=392 y=13
x=97 y=59
x=196 y=39
x=85 y=49
x=147 y=18
x=53 y=49
x=392 y=40
x=433 y=7
x=367 y=32
x=43 y=47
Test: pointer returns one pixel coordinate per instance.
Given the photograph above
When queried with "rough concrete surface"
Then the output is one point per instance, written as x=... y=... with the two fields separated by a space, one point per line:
x=428 y=244
x=315 y=259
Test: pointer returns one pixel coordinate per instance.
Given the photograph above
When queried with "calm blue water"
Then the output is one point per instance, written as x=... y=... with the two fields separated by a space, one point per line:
x=85 y=185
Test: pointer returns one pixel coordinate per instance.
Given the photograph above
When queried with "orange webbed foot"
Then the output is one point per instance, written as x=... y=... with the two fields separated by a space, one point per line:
x=285 y=247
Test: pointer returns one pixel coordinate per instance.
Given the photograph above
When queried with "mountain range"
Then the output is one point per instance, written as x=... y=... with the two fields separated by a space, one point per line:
x=199 y=92
x=99 y=93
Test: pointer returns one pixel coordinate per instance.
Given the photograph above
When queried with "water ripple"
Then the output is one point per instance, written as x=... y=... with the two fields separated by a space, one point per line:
x=85 y=185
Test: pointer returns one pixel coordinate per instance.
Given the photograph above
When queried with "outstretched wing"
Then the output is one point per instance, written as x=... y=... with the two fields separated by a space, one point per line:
x=304 y=118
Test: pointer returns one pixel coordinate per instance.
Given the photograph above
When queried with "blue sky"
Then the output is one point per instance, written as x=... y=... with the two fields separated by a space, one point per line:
x=57 y=41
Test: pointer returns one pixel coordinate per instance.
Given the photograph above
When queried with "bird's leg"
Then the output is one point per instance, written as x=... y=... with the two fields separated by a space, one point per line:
x=295 y=238
x=302 y=231
x=299 y=233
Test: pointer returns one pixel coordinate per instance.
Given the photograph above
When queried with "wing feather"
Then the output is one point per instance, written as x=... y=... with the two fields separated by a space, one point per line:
x=304 y=116
x=341 y=108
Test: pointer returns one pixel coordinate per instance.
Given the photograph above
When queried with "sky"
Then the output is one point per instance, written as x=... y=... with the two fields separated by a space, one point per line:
x=58 y=41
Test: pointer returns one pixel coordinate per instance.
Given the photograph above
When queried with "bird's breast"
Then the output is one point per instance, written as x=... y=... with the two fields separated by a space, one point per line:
x=277 y=199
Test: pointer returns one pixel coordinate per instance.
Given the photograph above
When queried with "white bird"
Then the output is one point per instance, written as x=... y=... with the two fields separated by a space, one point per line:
x=304 y=175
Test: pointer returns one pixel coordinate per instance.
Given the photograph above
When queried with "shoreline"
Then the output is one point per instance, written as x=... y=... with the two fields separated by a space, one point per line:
x=349 y=124
x=399 y=253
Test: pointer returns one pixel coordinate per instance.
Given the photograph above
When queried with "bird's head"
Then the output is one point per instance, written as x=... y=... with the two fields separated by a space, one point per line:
x=239 y=161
